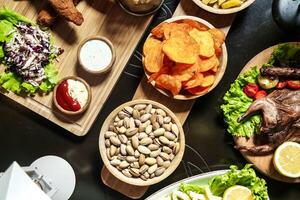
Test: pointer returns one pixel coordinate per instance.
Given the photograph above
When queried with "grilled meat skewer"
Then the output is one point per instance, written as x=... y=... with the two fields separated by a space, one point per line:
x=285 y=72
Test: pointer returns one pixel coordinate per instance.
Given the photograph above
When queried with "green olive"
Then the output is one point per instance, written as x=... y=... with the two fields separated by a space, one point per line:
x=266 y=82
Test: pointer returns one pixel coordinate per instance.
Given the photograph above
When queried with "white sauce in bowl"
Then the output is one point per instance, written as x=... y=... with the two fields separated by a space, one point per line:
x=96 y=55
x=78 y=91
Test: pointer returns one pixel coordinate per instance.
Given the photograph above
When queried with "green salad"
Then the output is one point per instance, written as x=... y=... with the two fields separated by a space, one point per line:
x=236 y=103
x=218 y=186
x=27 y=54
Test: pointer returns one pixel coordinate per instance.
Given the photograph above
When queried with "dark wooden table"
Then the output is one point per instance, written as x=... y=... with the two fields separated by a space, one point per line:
x=25 y=136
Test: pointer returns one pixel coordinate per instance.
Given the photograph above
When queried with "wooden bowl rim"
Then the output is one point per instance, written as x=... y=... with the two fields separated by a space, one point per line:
x=137 y=181
x=219 y=75
x=84 y=108
x=111 y=46
x=223 y=11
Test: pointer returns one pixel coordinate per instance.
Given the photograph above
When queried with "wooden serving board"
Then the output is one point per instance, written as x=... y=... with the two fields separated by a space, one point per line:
x=263 y=163
x=180 y=107
x=123 y=30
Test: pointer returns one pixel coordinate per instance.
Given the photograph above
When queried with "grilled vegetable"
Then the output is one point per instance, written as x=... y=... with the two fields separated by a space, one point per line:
x=266 y=82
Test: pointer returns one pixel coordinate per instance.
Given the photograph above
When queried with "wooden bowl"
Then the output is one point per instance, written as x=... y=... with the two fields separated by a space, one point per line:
x=263 y=163
x=219 y=74
x=83 y=109
x=137 y=181
x=113 y=51
x=139 y=13
x=221 y=11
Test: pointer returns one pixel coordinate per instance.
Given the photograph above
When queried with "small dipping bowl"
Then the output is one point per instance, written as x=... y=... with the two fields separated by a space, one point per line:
x=141 y=9
x=96 y=54
x=82 y=109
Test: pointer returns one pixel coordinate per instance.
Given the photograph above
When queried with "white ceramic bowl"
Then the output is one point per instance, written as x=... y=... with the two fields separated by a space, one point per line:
x=223 y=11
x=219 y=74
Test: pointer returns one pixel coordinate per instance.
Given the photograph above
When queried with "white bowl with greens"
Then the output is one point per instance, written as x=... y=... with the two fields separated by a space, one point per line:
x=213 y=185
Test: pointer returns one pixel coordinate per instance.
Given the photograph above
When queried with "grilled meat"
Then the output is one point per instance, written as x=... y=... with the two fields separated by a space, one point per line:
x=285 y=72
x=281 y=115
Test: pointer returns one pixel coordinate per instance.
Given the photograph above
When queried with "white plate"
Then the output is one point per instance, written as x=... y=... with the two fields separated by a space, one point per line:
x=201 y=179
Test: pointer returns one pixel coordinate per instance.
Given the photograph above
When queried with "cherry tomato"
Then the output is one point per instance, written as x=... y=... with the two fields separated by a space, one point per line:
x=260 y=94
x=294 y=84
x=281 y=84
x=63 y=91
x=251 y=89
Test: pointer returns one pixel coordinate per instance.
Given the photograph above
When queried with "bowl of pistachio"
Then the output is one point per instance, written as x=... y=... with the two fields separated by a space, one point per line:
x=223 y=6
x=141 y=142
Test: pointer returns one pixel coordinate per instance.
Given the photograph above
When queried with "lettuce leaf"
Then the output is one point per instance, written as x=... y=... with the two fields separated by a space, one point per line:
x=245 y=177
x=52 y=78
x=186 y=188
x=11 y=82
x=287 y=54
x=13 y=17
x=6 y=27
x=236 y=103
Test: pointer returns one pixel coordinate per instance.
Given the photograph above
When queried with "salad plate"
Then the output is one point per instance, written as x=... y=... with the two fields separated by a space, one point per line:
x=215 y=185
x=254 y=147
x=201 y=179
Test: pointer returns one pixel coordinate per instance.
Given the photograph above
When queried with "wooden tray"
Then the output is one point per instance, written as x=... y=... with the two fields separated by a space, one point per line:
x=179 y=107
x=123 y=30
x=263 y=163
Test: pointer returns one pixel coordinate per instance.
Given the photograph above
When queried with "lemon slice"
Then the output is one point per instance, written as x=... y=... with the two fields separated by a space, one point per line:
x=287 y=159
x=237 y=192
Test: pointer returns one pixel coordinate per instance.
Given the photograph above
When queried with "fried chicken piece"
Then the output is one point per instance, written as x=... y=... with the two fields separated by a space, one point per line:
x=47 y=16
x=64 y=8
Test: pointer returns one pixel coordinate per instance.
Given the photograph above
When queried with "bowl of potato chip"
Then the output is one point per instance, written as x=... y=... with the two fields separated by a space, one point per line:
x=223 y=6
x=185 y=57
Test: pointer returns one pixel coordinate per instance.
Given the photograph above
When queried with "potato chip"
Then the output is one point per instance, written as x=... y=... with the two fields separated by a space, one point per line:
x=181 y=49
x=168 y=82
x=170 y=28
x=167 y=62
x=194 y=24
x=219 y=38
x=153 y=55
x=183 y=77
x=198 y=90
x=208 y=80
x=207 y=64
x=158 y=31
x=180 y=68
x=205 y=42
x=215 y=69
x=195 y=81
